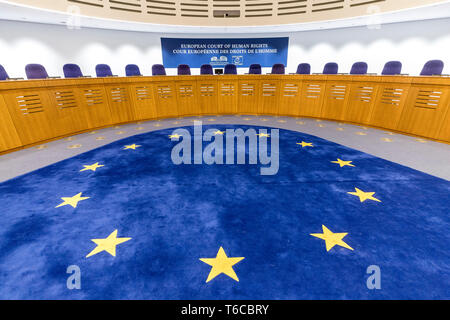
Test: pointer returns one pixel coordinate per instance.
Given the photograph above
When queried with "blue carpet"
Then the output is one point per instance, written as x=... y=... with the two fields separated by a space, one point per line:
x=176 y=215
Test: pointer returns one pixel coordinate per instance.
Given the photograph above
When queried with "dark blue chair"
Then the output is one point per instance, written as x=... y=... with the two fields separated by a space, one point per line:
x=36 y=71
x=132 y=70
x=304 y=68
x=72 y=71
x=255 y=69
x=230 y=69
x=158 y=70
x=331 y=68
x=184 y=70
x=278 y=68
x=206 y=69
x=3 y=74
x=392 y=68
x=359 y=68
x=433 y=68
x=103 y=70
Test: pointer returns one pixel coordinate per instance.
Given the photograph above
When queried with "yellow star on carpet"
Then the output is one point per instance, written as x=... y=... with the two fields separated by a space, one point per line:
x=133 y=147
x=264 y=120
x=218 y=132
x=109 y=244
x=305 y=144
x=332 y=239
x=282 y=121
x=222 y=264
x=175 y=136
x=363 y=196
x=100 y=138
x=212 y=120
x=246 y=119
x=157 y=125
x=300 y=122
x=340 y=129
x=42 y=147
x=263 y=135
x=361 y=133
x=387 y=140
x=120 y=132
x=92 y=132
x=75 y=146
x=176 y=122
x=321 y=126
x=140 y=128
x=72 y=201
x=421 y=140
x=343 y=163
x=92 y=167
x=70 y=139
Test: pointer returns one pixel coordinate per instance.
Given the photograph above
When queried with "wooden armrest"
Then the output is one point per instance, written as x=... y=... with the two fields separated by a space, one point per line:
x=54 y=77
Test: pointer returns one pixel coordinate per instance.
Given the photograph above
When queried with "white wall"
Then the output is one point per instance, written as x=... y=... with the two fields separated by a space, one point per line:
x=412 y=42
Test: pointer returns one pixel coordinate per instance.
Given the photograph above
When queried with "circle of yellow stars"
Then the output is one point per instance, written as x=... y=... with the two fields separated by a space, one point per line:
x=221 y=264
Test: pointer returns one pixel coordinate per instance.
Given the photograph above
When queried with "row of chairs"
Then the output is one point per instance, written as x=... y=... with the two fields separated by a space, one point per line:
x=37 y=71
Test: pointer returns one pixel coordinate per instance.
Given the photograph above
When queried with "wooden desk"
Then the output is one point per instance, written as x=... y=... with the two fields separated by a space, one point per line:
x=39 y=110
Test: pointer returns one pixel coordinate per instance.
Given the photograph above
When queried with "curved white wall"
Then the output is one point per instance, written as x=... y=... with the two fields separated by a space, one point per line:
x=411 y=42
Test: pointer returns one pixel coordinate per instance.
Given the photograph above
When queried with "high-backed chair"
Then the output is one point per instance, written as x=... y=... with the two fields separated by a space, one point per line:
x=103 y=70
x=304 y=68
x=392 y=68
x=184 y=70
x=255 y=69
x=3 y=74
x=132 y=70
x=331 y=68
x=278 y=68
x=206 y=69
x=158 y=70
x=72 y=71
x=36 y=71
x=230 y=69
x=359 y=68
x=433 y=68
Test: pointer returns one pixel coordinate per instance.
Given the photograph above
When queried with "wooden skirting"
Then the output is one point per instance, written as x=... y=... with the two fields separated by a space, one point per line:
x=41 y=110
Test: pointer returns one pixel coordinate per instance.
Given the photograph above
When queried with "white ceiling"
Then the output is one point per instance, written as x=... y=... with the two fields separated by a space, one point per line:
x=9 y=11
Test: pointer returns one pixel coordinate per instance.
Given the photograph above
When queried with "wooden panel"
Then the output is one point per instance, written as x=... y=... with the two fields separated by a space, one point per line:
x=444 y=132
x=143 y=100
x=208 y=95
x=31 y=113
x=187 y=98
x=389 y=103
x=336 y=97
x=269 y=97
x=312 y=95
x=9 y=139
x=95 y=102
x=361 y=101
x=228 y=95
x=249 y=91
x=289 y=100
x=166 y=99
x=425 y=109
x=120 y=102
x=69 y=112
